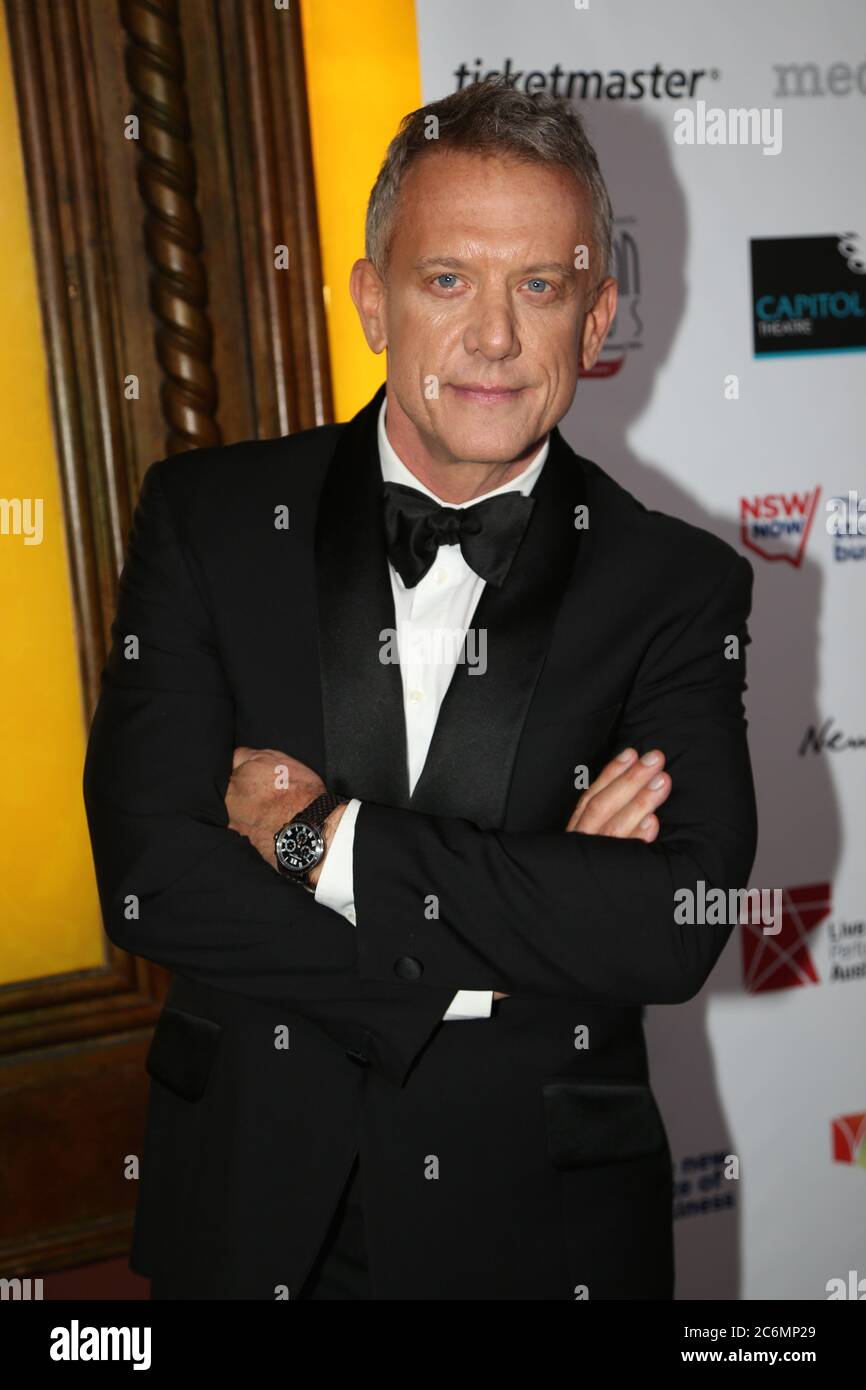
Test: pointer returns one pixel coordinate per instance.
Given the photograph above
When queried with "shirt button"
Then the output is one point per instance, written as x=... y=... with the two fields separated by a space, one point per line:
x=441 y=576
x=415 y=697
x=351 y=914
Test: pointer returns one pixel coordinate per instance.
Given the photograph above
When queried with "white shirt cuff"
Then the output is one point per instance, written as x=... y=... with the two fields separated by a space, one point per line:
x=470 y=1003
x=336 y=884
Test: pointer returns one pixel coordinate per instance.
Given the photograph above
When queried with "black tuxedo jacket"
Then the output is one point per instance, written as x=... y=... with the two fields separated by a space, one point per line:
x=517 y=1157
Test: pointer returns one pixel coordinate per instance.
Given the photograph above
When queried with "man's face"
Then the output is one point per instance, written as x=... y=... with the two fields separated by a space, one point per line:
x=482 y=292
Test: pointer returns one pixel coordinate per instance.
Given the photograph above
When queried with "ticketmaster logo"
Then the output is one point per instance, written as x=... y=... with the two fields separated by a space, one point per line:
x=591 y=84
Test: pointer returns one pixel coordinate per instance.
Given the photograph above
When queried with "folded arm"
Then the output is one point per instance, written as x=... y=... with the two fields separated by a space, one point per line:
x=585 y=915
x=177 y=886
x=332 y=880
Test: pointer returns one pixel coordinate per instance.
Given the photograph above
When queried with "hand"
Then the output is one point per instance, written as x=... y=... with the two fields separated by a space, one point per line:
x=622 y=800
x=266 y=789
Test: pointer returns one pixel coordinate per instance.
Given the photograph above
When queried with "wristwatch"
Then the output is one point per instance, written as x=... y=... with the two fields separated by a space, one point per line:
x=300 y=844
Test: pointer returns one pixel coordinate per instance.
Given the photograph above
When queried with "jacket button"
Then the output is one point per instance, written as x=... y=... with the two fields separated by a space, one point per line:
x=408 y=968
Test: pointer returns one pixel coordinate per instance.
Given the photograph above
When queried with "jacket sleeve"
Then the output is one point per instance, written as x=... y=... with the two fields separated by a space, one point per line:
x=176 y=885
x=556 y=913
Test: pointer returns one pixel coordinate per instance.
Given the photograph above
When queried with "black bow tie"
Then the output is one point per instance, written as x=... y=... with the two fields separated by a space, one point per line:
x=488 y=533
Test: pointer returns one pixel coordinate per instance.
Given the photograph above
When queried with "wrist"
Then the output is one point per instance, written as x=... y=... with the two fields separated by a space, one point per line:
x=329 y=830
x=300 y=844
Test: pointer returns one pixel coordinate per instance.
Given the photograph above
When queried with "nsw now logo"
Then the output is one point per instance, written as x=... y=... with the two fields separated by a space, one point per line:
x=776 y=525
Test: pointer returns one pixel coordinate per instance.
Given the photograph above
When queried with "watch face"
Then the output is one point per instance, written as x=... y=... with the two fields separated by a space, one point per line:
x=299 y=847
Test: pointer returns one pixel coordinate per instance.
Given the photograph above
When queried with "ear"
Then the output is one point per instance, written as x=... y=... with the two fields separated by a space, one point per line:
x=368 y=296
x=597 y=323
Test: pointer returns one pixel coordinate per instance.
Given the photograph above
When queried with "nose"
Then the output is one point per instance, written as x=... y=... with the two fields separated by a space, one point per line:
x=492 y=331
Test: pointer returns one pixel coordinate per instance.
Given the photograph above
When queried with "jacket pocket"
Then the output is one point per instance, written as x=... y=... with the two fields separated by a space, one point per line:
x=182 y=1052
x=592 y=1123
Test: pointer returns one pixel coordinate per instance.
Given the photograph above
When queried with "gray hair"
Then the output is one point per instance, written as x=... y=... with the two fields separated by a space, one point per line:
x=491 y=117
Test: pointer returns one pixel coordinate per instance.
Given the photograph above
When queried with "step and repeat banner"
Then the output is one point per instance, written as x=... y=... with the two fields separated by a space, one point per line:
x=731 y=393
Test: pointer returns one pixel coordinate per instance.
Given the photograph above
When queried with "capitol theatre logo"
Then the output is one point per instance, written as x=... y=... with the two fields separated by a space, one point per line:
x=808 y=294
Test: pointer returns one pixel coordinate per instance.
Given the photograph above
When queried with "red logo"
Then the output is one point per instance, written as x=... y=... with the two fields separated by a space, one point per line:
x=776 y=525
x=849 y=1139
x=604 y=367
x=626 y=331
x=783 y=961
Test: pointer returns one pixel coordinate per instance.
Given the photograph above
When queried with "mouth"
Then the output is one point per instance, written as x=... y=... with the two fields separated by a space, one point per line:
x=487 y=395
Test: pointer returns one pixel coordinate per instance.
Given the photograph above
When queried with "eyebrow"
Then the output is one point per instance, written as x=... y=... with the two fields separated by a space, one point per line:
x=452 y=263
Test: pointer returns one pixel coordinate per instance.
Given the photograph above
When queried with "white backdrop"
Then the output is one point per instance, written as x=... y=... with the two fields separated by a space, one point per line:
x=768 y=1063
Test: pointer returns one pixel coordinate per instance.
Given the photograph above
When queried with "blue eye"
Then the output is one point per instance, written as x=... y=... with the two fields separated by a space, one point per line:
x=446 y=275
x=544 y=283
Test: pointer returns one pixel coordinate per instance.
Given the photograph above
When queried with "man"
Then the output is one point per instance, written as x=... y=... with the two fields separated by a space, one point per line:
x=425 y=1077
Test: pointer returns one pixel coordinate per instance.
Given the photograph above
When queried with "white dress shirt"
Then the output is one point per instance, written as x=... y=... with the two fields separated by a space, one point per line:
x=432 y=619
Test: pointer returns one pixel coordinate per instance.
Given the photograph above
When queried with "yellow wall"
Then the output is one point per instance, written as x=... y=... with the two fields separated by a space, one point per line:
x=49 y=914
x=362 y=78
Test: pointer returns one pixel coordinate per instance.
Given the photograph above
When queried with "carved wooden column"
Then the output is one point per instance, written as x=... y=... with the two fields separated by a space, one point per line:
x=173 y=238
x=156 y=266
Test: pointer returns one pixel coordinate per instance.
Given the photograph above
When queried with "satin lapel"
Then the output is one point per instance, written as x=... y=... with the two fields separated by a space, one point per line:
x=362 y=697
x=474 y=746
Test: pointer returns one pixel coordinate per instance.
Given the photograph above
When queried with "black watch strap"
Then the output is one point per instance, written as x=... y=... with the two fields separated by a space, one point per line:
x=318 y=811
